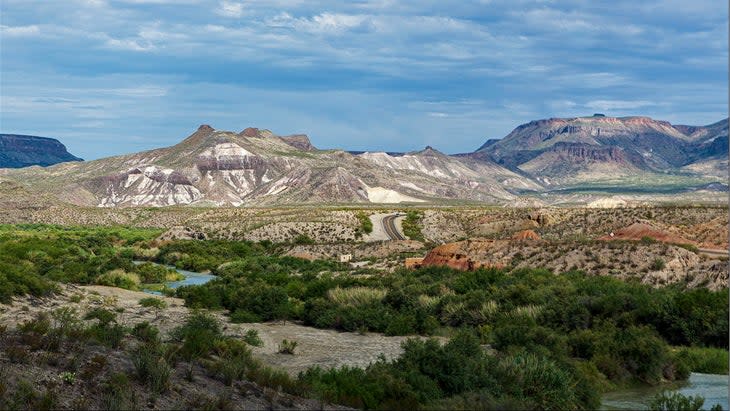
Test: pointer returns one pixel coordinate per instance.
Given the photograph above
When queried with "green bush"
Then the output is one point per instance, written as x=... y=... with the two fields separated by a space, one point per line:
x=150 y=366
x=155 y=273
x=198 y=335
x=153 y=302
x=657 y=265
x=704 y=360
x=366 y=225
x=411 y=227
x=287 y=347
x=676 y=402
x=146 y=332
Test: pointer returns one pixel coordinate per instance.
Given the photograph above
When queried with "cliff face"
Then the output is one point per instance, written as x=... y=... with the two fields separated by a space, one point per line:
x=22 y=151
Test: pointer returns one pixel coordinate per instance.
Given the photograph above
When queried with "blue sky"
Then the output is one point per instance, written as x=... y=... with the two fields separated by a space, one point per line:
x=116 y=76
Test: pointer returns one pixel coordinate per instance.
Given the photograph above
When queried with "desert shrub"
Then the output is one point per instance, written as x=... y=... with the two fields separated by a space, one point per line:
x=287 y=346
x=646 y=240
x=93 y=368
x=119 y=278
x=198 y=335
x=366 y=225
x=657 y=264
x=153 y=302
x=106 y=330
x=117 y=394
x=146 y=332
x=411 y=226
x=150 y=366
x=155 y=273
x=540 y=382
x=68 y=377
x=676 y=402
x=251 y=337
x=355 y=296
x=302 y=239
x=24 y=397
x=234 y=359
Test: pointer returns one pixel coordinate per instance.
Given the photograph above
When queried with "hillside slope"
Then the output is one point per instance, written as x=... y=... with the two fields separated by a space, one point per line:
x=256 y=167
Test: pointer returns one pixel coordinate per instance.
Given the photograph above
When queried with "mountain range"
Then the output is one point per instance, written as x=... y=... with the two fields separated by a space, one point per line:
x=256 y=167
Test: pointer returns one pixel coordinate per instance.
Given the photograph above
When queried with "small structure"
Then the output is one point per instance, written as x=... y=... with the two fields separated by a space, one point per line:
x=345 y=258
x=414 y=263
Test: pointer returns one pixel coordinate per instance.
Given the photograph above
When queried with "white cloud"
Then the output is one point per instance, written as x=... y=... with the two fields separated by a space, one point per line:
x=20 y=31
x=128 y=45
x=232 y=9
x=619 y=104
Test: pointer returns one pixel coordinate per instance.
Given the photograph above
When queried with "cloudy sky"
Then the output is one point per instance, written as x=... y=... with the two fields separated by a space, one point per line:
x=115 y=76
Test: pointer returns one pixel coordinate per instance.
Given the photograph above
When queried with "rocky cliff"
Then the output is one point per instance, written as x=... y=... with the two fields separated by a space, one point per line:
x=22 y=151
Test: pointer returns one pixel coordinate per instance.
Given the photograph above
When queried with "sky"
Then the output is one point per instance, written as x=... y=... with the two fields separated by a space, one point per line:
x=108 y=77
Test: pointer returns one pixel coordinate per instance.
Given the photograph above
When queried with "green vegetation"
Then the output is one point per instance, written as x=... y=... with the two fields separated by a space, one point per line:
x=411 y=227
x=287 y=347
x=32 y=257
x=366 y=225
x=678 y=402
x=704 y=360
x=457 y=375
x=152 y=302
x=526 y=338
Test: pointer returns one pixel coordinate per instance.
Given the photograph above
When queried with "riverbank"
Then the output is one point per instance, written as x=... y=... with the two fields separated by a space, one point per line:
x=712 y=387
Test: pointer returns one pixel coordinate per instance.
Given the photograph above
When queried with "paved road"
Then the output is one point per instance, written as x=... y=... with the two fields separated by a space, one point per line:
x=390 y=227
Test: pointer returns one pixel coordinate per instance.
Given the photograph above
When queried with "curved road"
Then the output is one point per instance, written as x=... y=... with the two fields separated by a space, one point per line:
x=390 y=228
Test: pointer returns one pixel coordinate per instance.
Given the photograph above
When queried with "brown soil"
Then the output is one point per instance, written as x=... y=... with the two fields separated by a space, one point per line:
x=638 y=231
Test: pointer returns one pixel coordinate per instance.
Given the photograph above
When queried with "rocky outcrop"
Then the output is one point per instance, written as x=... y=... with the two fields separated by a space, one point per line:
x=526 y=235
x=300 y=141
x=465 y=255
x=22 y=151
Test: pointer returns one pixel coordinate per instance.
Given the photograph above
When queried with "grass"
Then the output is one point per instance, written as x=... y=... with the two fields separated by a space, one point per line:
x=356 y=296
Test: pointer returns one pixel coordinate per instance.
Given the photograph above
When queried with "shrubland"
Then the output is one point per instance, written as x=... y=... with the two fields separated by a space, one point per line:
x=517 y=338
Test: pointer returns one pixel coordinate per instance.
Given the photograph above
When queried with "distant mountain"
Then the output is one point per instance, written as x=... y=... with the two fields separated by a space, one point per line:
x=256 y=167
x=572 y=151
x=22 y=151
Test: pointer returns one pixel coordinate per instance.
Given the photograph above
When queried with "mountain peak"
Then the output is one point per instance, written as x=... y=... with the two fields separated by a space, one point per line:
x=429 y=151
x=249 y=132
x=205 y=127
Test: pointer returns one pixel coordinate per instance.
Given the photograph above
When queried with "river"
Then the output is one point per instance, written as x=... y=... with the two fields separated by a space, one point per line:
x=713 y=387
x=191 y=278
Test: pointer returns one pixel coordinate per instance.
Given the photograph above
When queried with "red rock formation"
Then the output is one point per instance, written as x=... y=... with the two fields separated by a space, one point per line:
x=250 y=132
x=637 y=231
x=463 y=255
x=525 y=235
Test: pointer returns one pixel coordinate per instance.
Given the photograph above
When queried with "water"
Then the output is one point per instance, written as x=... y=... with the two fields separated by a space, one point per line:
x=713 y=387
x=191 y=278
